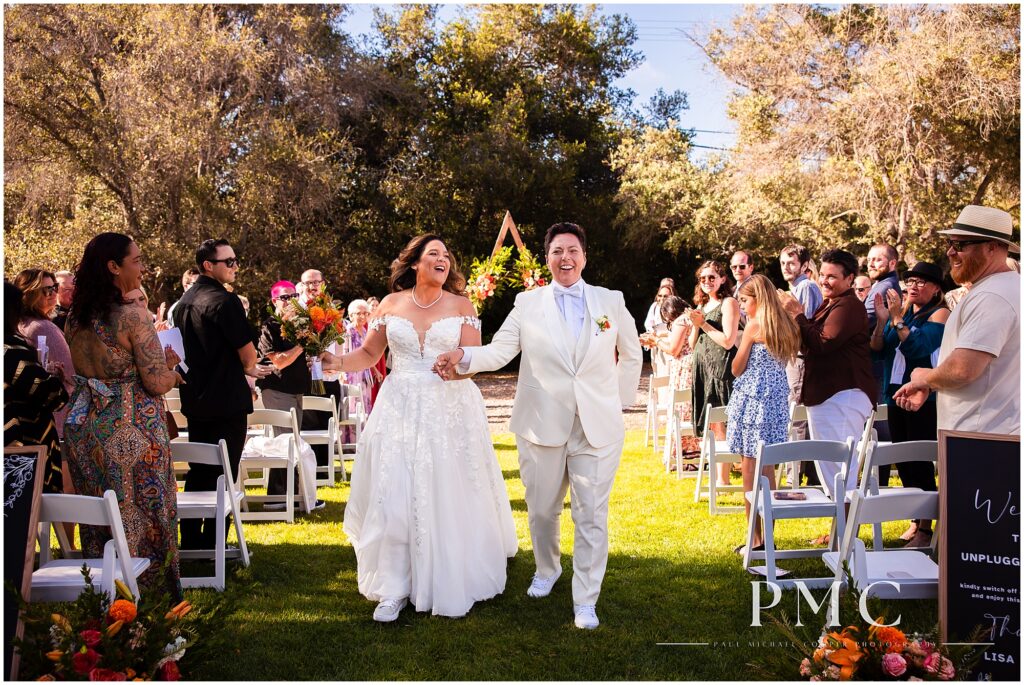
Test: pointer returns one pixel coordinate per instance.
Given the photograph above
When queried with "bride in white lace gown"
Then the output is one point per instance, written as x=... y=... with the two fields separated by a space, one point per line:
x=428 y=514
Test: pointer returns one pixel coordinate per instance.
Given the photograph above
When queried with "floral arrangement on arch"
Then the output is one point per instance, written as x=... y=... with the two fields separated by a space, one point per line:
x=99 y=638
x=314 y=326
x=487 y=277
x=528 y=273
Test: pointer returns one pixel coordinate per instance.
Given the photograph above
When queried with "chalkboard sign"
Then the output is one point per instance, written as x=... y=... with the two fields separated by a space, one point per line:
x=979 y=547
x=23 y=487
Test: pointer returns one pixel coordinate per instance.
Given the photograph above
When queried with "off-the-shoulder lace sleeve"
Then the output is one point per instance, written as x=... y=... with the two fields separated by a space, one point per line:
x=471 y=321
x=378 y=323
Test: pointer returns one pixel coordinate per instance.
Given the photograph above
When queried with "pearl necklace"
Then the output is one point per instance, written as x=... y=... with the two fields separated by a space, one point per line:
x=425 y=306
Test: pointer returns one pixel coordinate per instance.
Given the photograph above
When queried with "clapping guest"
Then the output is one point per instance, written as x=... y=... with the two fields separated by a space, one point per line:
x=116 y=433
x=39 y=298
x=31 y=395
x=715 y=323
x=907 y=336
x=675 y=345
x=666 y=289
x=758 y=407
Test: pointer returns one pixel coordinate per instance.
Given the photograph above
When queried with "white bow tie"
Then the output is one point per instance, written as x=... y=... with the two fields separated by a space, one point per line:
x=575 y=290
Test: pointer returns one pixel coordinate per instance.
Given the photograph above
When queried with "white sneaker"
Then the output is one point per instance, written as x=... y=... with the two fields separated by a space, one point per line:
x=586 y=616
x=541 y=586
x=389 y=609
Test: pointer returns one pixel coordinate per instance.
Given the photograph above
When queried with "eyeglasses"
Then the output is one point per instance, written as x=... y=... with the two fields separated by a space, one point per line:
x=959 y=245
x=287 y=296
x=312 y=282
x=739 y=266
x=916 y=282
x=48 y=289
x=230 y=262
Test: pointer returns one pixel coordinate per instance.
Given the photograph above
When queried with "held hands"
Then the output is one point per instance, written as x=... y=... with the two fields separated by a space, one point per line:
x=446 y=363
x=913 y=395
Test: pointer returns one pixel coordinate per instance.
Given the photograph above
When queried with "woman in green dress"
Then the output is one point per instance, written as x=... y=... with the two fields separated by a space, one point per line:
x=116 y=431
x=716 y=321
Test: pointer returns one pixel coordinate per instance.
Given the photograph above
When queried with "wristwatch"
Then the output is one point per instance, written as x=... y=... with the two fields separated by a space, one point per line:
x=899 y=325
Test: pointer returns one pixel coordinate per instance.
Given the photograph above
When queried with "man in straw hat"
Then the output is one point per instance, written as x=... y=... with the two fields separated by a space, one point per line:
x=978 y=374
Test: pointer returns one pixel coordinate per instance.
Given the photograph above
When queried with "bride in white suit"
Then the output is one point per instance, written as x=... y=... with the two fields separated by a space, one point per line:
x=580 y=367
x=428 y=514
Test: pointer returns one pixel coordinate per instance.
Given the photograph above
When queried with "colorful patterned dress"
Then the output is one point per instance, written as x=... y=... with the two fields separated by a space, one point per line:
x=116 y=435
x=363 y=379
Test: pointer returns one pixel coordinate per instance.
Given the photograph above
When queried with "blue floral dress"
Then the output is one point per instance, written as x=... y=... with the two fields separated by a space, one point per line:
x=759 y=405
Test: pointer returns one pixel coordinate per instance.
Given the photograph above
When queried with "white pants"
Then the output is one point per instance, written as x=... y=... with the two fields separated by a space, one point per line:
x=839 y=417
x=588 y=472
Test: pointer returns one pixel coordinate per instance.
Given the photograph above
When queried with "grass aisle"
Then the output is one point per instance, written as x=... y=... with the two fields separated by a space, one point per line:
x=296 y=614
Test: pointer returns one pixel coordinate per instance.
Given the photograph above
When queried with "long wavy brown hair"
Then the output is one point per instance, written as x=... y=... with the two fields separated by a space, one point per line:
x=700 y=298
x=403 y=276
x=781 y=334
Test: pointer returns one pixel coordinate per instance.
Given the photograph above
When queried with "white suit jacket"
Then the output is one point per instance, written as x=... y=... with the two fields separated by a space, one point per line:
x=553 y=384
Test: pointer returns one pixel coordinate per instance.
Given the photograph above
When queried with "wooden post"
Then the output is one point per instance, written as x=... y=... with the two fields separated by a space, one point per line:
x=507 y=226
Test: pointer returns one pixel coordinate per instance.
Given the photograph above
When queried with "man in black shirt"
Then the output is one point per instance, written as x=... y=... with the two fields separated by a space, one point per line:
x=219 y=354
x=284 y=387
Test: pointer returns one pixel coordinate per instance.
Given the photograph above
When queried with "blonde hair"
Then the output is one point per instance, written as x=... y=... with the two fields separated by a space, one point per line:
x=781 y=334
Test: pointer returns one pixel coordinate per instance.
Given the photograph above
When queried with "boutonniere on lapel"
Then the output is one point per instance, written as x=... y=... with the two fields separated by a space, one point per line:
x=603 y=324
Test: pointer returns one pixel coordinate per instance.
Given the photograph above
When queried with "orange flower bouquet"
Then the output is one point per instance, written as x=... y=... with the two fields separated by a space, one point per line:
x=96 y=638
x=314 y=326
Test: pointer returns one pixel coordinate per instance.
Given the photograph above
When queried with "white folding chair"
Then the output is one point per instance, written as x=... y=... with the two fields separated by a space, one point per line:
x=657 y=409
x=710 y=457
x=268 y=418
x=61 y=580
x=817 y=504
x=324 y=436
x=893 y=454
x=914 y=570
x=867 y=438
x=353 y=395
x=676 y=429
x=797 y=414
x=216 y=504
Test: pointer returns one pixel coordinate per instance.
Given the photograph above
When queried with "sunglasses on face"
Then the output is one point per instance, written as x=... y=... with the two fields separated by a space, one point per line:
x=959 y=245
x=230 y=262
x=48 y=289
x=287 y=296
x=708 y=278
x=860 y=290
x=739 y=266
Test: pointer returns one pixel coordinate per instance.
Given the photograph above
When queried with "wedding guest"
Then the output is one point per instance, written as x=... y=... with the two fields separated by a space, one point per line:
x=675 y=345
x=795 y=261
x=906 y=337
x=715 y=321
x=882 y=261
x=188 y=279
x=31 y=395
x=65 y=291
x=284 y=387
x=374 y=303
x=838 y=388
x=381 y=367
x=861 y=286
x=742 y=266
x=978 y=372
x=39 y=299
x=116 y=433
x=667 y=288
x=219 y=354
x=311 y=284
x=759 y=407
x=359 y=317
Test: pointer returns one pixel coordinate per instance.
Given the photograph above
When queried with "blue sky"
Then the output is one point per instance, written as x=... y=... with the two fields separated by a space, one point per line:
x=671 y=62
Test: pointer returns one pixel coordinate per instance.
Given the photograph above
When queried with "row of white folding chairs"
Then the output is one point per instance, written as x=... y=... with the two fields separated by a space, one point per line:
x=818 y=503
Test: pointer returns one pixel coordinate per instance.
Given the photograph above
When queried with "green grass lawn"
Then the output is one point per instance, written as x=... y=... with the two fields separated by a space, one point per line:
x=296 y=614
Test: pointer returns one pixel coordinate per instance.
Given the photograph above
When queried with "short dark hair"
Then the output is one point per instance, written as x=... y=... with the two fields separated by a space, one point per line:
x=799 y=251
x=565 y=227
x=189 y=273
x=207 y=251
x=842 y=258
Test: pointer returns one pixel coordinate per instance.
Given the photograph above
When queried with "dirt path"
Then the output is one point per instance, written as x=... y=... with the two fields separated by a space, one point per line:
x=499 y=390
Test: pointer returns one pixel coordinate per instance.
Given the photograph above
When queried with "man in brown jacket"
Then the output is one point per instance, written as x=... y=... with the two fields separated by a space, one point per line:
x=838 y=383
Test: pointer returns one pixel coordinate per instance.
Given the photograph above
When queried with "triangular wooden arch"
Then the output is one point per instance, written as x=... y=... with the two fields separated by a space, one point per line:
x=507 y=226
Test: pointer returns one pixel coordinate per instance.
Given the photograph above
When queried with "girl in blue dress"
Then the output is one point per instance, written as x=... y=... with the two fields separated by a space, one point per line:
x=759 y=405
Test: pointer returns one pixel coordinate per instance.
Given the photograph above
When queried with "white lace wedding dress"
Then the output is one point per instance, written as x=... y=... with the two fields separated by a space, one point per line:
x=428 y=514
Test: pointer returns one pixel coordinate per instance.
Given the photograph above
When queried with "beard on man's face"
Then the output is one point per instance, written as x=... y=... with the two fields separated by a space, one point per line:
x=971 y=264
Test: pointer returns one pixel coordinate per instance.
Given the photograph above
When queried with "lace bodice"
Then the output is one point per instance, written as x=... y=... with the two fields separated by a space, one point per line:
x=410 y=352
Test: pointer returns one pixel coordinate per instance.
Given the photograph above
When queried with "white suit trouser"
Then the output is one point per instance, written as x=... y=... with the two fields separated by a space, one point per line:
x=588 y=472
x=839 y=417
